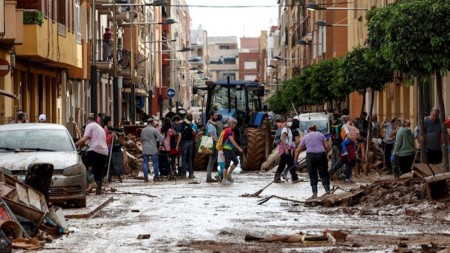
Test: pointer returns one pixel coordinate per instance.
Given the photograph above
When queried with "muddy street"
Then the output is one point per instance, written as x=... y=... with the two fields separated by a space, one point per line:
x=193 y=216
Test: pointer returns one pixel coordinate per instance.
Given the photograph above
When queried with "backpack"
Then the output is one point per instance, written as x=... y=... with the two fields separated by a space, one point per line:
x=219 y=144
x=187 y=131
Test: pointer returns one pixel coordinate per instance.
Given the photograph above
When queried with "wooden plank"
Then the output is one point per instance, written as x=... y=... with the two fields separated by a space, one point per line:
x=443 y=176
x=82 y=213
x=34 y=199
x=22 y=194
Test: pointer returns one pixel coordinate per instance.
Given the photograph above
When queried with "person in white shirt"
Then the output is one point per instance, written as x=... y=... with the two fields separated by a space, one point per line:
x=286 y=149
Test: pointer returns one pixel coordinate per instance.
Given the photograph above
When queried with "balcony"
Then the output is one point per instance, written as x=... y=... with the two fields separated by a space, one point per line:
x=11 y=27
x=104 y=58
x=46 y=41
x=99 y=4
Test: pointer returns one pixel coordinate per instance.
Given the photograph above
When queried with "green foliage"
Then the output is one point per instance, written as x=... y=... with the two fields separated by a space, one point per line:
x=412 y=35
x=362 y=70
x=277 y=104
x=311 y=87
x=33 y=17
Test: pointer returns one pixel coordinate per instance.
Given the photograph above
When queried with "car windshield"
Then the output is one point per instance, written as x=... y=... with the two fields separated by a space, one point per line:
x=35 y=140
x=322 y=125
x=220 y=99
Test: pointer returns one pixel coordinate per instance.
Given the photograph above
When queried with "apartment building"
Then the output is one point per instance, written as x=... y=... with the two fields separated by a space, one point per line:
x=223 y=54
x=249 y=62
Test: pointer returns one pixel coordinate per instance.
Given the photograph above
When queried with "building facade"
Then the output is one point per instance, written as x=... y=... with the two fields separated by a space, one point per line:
x=223 y=58
x=249 y=59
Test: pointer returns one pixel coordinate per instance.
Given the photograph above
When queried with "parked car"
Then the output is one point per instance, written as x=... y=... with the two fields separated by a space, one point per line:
x=25 y=144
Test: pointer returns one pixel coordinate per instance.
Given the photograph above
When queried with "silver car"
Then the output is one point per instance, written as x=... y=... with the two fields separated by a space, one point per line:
x=25 y=144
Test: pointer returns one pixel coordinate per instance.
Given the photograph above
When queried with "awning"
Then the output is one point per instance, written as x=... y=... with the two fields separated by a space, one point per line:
x=138 y=91
x=8 y=94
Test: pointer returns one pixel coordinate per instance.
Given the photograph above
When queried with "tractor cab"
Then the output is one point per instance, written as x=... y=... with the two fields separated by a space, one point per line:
x=240 y=100
x=237 y=99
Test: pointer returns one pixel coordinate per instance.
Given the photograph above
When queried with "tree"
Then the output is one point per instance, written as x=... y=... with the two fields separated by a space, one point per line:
x=361 y=71
x=277 y=103
x=413 y=36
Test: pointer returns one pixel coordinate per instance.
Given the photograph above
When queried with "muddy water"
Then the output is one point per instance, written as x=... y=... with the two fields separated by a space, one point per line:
x=213 y=218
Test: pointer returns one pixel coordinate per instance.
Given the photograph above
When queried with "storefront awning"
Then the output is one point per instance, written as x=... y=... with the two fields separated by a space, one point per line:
x=139 y=92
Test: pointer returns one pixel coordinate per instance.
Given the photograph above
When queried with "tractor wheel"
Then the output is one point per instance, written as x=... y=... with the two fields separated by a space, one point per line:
x=256 y=149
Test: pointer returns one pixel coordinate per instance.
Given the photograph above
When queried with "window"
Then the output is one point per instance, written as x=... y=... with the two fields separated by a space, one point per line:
x=215 y=61
x=249 y=65
x=223 y=47
x=231 y=75
x=62 y=12
x=77 y=20
x=230 y=60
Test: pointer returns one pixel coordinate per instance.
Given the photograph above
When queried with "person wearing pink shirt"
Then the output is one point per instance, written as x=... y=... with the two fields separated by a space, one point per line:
x=97 y=154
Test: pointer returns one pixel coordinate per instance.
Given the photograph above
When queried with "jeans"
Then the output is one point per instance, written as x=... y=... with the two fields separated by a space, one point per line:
x=287 y=160
x=211 y=161
x=387 y=155
x=318 y=162
x=154 y=158
x=187 y=150
x=344 y=145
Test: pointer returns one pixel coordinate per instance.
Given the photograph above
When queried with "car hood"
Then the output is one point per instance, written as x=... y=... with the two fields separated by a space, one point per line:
x=21 y=160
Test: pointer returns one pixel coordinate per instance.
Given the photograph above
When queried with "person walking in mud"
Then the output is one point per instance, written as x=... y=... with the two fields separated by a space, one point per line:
x=433 y=133
x=316 y=146
x=229 y=143
x=185 y=144
x=211 y=131
x=286 y=149
x=150 y=137
x=97 y=154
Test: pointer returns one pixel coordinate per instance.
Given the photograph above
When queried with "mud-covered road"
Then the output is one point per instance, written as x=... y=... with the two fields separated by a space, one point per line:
x=199 y=217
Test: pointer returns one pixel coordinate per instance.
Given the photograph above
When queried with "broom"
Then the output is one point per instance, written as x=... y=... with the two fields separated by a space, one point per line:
x=256 y=194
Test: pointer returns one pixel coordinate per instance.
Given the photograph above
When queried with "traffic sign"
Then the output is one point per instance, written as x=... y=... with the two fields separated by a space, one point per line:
x=170 y=92
x=4 y=67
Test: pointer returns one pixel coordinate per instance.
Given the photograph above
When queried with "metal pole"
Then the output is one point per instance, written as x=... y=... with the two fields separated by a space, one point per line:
x=115 y=80
x=133 y=85
x=94 y=62
x=150 y=79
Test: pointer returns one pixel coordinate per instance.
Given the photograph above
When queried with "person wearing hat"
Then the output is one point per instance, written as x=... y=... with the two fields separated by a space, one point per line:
x=150 y=137
x=42 y=118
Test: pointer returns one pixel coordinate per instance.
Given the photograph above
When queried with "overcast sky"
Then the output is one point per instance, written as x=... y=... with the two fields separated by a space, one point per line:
x=234 y=21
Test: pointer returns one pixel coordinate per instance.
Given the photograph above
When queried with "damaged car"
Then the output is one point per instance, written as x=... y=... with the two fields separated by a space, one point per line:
x=24 y=144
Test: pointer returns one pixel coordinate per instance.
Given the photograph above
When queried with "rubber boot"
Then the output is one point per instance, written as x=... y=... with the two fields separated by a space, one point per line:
x=314 y=190
x=98 y=190
x=327 y=188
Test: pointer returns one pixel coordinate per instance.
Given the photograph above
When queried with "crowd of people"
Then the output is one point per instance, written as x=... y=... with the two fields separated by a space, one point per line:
x=176 y=139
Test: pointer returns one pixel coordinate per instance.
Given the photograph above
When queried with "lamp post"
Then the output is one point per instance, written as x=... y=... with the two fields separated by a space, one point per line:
x=94 y=62
x=323 y=23
x=316 y=7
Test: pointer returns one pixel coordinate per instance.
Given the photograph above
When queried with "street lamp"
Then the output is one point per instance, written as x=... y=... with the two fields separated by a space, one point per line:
x=316 y=7
x=306 y=43
x=272 y=66
x=168 y=21
x=324 y=23
x=278 y=58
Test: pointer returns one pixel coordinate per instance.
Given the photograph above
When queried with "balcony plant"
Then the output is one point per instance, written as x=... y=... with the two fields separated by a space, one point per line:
x=33 y=17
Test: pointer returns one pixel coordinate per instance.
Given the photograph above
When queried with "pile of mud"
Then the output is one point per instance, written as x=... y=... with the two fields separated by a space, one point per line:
x=133 y=161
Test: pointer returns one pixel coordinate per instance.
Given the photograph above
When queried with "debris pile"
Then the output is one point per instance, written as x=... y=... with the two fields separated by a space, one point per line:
x=132 y=153
x=328 y=237
x=425 y=182
x=25 y=218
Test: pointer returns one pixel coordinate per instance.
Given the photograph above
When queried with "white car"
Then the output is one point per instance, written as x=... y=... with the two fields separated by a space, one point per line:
x=25 y=144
